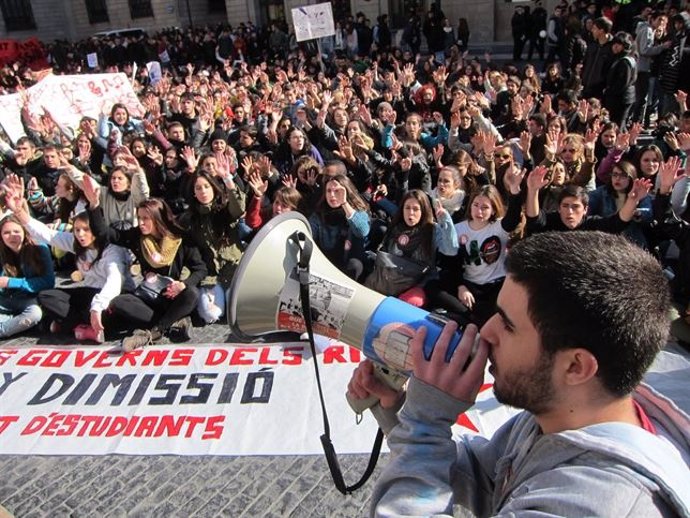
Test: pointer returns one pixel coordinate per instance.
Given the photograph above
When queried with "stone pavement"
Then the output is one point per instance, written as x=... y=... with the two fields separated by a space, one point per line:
x=172 y=486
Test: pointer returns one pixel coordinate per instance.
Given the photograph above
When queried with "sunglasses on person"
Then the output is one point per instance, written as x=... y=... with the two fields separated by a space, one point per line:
x=504 y=156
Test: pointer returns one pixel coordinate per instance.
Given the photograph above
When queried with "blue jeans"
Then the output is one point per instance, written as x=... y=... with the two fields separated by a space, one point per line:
x=18 y=312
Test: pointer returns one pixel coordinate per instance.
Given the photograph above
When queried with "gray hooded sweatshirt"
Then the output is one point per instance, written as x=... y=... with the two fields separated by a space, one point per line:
x=610 y=470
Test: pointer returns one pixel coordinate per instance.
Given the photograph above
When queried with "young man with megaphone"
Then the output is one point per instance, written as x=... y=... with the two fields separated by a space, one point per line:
x=579 y=320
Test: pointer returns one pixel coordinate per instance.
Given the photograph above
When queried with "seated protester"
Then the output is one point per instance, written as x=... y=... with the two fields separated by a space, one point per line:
x=162 y=253
x=610 y=198
x=222 y=166
x=285 y=199
x=149 y=158
x=606 y=141
x=59 y=209
x=126 y=189
x=450 y=191
x=412 y=131
x=211 y=223
x=340 y=225
x=247 y=142
x=293 y=146
x=413 y=237
x=577 y=153
x=119 y=120
x=173 y=171
x=104 y=269
x=22 y=160
x=572 y=210
x=580 y=320
x=550 y=195
x=473 y=175
x=355 y=149
x=472 y=285
x=27 y=268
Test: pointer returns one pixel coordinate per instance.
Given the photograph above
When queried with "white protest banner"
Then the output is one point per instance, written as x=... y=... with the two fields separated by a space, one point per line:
x=186 y=400
x=313 y=21
x=69 y=98
x=10 y=116
x=92 y=60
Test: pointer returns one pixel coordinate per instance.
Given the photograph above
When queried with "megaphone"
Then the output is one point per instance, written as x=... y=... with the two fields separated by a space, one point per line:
x=264 y=297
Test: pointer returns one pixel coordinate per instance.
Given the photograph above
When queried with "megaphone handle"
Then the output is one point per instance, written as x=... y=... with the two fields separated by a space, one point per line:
x=394 y=379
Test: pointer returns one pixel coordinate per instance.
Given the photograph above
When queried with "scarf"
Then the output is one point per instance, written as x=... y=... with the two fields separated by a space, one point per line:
x=452 y=204
x=160 y=255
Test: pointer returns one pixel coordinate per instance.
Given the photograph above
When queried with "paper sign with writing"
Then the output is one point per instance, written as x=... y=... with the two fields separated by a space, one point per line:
x=313 y=21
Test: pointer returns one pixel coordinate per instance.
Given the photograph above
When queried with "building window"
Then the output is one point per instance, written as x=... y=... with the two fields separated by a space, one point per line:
x=18 y=15
x=216 y=6
x=97 y=11
x=140 y=9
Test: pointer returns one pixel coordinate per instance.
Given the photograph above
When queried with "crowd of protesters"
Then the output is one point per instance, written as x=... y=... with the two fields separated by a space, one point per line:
x=416 y=172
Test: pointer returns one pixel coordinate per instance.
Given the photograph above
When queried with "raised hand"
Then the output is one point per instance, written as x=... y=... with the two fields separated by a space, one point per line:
x=537 y=179
x=189 y=156
x=640 y=189
x=257 y=183
x=525 y=142
x=513 y=178
x=92 y=191
x=289 y=181
x=669 y=173
x=437 y=152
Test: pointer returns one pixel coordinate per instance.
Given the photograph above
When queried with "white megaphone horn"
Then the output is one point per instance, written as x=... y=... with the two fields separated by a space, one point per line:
x=264 y=297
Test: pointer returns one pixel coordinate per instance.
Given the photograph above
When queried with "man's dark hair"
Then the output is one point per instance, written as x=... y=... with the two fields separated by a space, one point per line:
x=574 y=191
x=596 y=291
x=539 y=119
x=604 y=24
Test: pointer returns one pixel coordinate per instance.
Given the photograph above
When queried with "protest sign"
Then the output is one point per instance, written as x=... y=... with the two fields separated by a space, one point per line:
x=313 y=21
x=186 y=400
x=92 y=60
x=69 y=98
x=10 y=116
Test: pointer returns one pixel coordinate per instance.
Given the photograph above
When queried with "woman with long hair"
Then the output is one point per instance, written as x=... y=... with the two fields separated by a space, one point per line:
x=472 y=286
x=294 y=145
x=27 y=268
x=103 y=267
x=163 y=301
x=212 y=223
x=415 y=237
x=340 y=225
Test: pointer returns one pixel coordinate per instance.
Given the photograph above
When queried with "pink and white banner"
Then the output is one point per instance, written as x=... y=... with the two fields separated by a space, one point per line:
x=187 y=400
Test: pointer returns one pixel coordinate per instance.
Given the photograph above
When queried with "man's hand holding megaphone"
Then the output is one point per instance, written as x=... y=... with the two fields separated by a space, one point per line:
x=461 y=376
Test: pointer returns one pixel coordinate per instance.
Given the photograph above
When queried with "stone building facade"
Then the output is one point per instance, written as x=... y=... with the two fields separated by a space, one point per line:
x=489 y=20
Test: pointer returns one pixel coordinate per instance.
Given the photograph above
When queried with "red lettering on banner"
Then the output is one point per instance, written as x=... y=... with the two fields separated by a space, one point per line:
x=32 y=358
x=355 y=355
x=238 y=358
x=34 y=425
x=193 y=421
x=56 y=359
x=129 y=359
x=118 y=425
x=264 y=357
x=146 y=426
x=55 y=420
x=214 y=427
x=6 y=420
x=6 y=354
x=156 y=358
x=216 y=357
x=170 y=426
x=335 y=353
x=70 y=423
x=181 y=357
x=293 y=355
x=103 y=360
x=83 y=357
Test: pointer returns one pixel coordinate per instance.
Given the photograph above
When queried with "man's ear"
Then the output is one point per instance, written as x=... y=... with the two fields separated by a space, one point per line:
x=576 y=366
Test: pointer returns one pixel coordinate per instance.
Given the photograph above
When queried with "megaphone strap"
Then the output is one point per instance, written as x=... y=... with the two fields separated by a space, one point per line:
x=305 y=247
